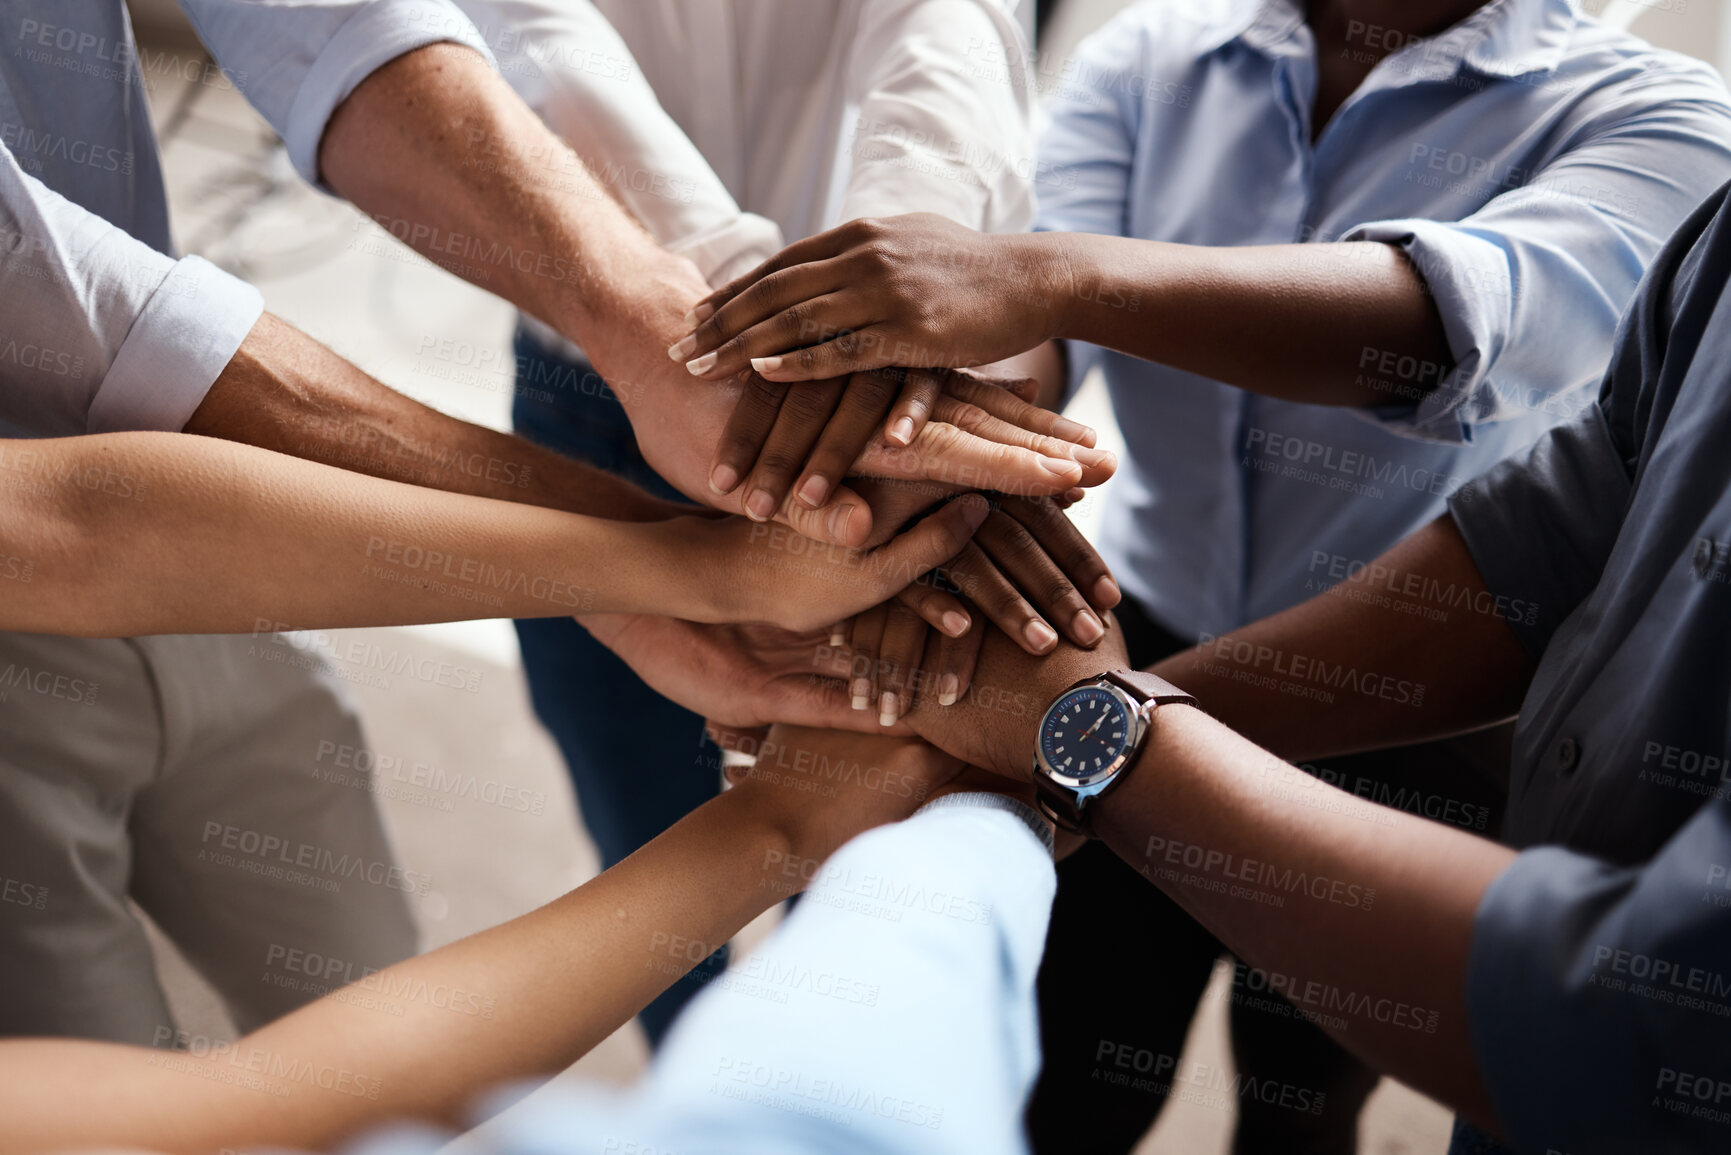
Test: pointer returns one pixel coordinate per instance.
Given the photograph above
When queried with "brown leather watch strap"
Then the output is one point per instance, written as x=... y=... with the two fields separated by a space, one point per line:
x=1149 y=687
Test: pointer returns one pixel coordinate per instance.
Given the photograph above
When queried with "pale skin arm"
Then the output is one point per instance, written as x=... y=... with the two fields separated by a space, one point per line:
x=1296 y=322
x=557 y=981
x=141 y=533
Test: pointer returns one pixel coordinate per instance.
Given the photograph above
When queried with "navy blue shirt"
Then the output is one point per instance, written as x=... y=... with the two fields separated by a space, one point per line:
x=1600 y=982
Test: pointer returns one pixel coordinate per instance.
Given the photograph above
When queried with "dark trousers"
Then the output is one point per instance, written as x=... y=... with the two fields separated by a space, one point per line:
x=638 y=762
x=1125 y=967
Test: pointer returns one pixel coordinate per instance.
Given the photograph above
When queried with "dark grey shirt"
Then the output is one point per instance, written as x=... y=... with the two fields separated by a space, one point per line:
x=1600 y=985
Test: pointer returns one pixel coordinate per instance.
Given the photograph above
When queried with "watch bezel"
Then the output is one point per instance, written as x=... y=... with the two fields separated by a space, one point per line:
x=1137 y=712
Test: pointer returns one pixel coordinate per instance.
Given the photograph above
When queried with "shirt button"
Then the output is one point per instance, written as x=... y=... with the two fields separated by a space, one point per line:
x=1568 y=753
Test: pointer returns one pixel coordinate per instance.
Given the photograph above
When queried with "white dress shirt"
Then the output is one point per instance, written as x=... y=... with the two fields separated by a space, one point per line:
x=803 y=113
x=102 y=329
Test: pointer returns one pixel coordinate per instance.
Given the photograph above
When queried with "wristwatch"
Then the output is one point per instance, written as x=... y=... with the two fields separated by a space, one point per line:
x=1090 y=736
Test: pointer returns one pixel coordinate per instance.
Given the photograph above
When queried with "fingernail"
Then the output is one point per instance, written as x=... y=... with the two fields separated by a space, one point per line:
x=838 y=523
x=862 y=693
x=766 y=364
x=1088 y=628
x=700 y=314
x=700 y=365
x=1041 y=636
x=814 y=491
x=975 y=510
x=1096 y=458
x=1073 y=431
x=1107 y=594
x=838 y=637
x=1060 y=468
x=902 y=432
x=682 y=348
x=955 y=623
x=724 y=479
x=949 y=689
x=889 y=709
x=759 y=505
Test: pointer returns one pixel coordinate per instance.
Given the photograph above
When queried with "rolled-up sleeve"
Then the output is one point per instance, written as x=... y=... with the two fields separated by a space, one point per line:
x=1599 y=997
x=103 y=332
x=297 y=60
x=1529 y=288
x=945 y=123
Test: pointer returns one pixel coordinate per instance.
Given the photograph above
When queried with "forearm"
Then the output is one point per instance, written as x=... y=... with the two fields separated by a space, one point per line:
x=1412 y=647
x=525 y=999
x=1358 y=912
x=1294 y=322
x=200 y=535
x=285 y=392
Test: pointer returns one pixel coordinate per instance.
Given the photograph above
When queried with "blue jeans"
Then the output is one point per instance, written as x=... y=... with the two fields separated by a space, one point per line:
x=638 y=762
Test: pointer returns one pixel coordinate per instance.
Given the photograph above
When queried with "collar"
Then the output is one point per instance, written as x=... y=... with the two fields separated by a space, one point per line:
x=1505 y=38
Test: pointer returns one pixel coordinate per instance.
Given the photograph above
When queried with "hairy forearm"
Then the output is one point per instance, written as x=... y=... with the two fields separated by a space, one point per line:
x=1297 y=322
x=1351 y=908
x=524 y=999
x=190 y=534
x=1412 y=645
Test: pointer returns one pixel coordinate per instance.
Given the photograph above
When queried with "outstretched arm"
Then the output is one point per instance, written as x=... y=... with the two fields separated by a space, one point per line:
x=140 y=533
x=532 y=996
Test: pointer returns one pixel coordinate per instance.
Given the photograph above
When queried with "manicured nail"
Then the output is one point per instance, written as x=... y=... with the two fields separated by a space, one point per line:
x=1061 y=468
x=1073 y=431
x=1088 y=628
x=862 y=693
x=1040 y=635
x=682 y=348
x=902 y=432
x=955 y=623
x=766 y=364
x=700 y=314
x=724 y=479
x=838 y=637
x=814 y=491
x=949 y=689
x=838 y=523
x=889 y=709
x=760 y=505
x=1096 y=458
x=1107 y=594
x=697 y=367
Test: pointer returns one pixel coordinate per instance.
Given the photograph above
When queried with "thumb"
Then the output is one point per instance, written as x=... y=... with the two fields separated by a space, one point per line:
x=931 y=543
x=845 y=519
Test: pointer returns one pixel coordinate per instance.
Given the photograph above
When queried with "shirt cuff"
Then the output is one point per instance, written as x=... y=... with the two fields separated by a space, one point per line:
x=1540 y=527
x=1468 y=277
x=186 y=334
x=373 y=37
x=986 y=800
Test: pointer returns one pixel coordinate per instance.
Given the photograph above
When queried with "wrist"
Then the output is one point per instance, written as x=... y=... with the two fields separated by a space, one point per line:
x=1056 y=275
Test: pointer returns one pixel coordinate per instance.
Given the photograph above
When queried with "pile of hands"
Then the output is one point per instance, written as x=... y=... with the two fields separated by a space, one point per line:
x=915 y=591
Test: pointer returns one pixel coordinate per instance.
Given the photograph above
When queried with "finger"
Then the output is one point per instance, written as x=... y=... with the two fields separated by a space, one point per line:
x=847 y=519
x=921 y=389
x=850 y=430
x=805 y=320
x=1058 y=536
x=937 y=607
x=904 y=640
x=838 y=634
x=868 y=634
x=997 y=598
x=949 y=455
x=810 y=250
x=1097 y=465
x=804 y=414
x=957 y=658
x=1041 y=579
x=1000 y=400
x=748 y=427
x=747 y=740
x=936 y=539
x=849 y=342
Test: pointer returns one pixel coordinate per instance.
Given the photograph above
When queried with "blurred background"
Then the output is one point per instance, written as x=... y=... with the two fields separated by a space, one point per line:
x=322 y=266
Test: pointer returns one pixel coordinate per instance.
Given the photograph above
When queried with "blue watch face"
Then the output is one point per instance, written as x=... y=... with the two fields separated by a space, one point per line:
x=1084 y=732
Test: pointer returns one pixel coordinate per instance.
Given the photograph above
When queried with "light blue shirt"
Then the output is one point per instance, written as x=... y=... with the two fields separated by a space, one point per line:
x=1531 y=161
x=104 y=329
x=893 y=1014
